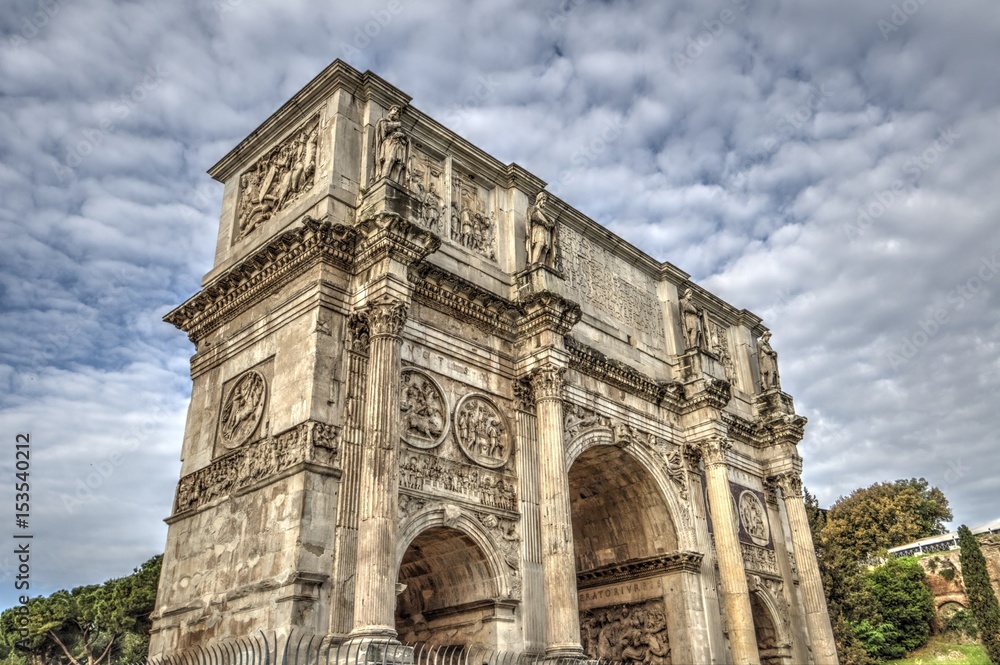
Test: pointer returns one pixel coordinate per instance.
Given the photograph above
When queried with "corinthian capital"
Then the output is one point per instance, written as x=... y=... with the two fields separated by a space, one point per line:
x=547 y=382
x=790 y=483
x=384 y=317
x=712 y=450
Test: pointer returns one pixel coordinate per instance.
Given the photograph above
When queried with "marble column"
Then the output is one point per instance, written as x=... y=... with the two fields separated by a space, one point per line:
x=562 y=615
x=824 y=650
x=732 y=573
x=375 y=586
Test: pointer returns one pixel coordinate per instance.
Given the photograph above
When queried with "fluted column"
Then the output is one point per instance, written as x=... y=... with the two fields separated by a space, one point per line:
x=732 y=573
x=824 y=649
x=562 y=615
x=375 y=595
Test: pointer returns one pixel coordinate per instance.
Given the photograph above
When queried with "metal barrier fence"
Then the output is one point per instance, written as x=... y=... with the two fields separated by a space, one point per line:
x=262 y=649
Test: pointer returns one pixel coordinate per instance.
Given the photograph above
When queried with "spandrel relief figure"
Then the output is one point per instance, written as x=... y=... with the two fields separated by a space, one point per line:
x=691 y=322
x=767 y=358
x=393 y=148
x=541 y=237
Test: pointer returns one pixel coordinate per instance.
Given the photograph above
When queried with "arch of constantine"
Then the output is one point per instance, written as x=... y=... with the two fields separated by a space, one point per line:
x=433 y=403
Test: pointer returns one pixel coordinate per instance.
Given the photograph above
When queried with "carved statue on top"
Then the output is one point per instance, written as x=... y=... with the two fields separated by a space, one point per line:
x=541 y=239
x=691 y=322
x=392 y=148
x=767 y=359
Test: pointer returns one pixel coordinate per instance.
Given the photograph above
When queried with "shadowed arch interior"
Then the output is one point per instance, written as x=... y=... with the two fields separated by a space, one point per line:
x=618 y=510
x=446 y=576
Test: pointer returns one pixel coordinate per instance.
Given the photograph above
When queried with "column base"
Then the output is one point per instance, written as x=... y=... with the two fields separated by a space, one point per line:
x=573 y=651
x=375 y=644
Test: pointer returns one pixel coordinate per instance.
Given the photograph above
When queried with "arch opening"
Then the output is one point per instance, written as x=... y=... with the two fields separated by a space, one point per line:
x=447 y=591
x=620 y=516
x=768 y=643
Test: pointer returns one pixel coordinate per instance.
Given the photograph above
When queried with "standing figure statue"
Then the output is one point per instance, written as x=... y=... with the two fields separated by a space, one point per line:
x=767 y=358
x=691 y=322
x=392 y=148
x=541 y=246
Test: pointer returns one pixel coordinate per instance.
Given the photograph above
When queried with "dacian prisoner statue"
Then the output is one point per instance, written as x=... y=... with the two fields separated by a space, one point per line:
x=434 y=404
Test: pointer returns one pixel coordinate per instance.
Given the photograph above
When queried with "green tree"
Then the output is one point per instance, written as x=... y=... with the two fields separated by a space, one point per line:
x=94 y=624
x=873 y=519
x=982 y=599
x=906 y=604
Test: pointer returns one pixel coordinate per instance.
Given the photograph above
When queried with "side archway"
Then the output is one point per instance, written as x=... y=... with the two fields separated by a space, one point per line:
x=453 y=585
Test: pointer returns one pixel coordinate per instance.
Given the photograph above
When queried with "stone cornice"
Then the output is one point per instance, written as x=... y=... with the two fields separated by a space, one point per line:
x=309 y=442
x=636 y=569
x=547 y=311
x=388 y=235
x=713 y=393
x=742 y=429
x=272 y=266
x=588 y=360
x=486 y=310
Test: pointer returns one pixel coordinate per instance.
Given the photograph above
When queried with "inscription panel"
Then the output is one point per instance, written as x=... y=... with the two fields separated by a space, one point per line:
x=600 y=277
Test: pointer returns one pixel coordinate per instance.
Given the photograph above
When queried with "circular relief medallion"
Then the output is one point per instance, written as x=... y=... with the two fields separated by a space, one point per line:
x=753 y=517
x=242 y=409
x=422 y=410
x=482 y=432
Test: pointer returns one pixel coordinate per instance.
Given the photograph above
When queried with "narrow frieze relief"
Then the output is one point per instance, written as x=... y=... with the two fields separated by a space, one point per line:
x=310 y=441
x=431 y=474
x=464 y=300
x=423 y=410
x=760 y=560
x=593 y=363
x=277 y=178
x=473 y=222
x=482 y=431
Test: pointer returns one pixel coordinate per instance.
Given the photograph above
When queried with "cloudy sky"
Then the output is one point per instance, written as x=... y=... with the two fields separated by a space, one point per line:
x=831 y=166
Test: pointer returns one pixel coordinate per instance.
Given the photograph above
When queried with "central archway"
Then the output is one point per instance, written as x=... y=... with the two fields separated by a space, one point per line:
x=447 y=592
x=621 y=525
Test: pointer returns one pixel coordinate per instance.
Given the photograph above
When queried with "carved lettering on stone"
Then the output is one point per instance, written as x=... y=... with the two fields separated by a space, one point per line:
x=609 y=286
x=473 y=224
x=431 y=474
x=482 y=432
x=278 y=178
x=243 y=409
x=630 y=633
x=422 y=410
x=753 y=517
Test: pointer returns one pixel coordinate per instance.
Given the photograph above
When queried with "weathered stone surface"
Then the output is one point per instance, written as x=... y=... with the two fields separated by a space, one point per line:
x=431 y=401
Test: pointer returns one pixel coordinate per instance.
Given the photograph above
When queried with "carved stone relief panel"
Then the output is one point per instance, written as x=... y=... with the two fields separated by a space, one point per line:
x=508 y=542
x=753 y=518
x=482 y=431
x=759 y=559
x=423 y=410
x=473 y=219
x=425 y=177
x=608 y=283
x=277 y=178
x=432 y=475
x=718 y=340
x=242 y=409
x=628 y=633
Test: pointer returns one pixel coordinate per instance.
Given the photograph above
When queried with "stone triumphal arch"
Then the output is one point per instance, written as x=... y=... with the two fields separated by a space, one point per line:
x=433 y=403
